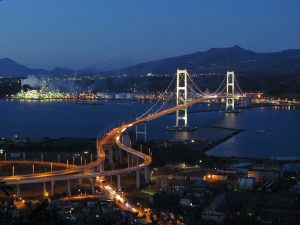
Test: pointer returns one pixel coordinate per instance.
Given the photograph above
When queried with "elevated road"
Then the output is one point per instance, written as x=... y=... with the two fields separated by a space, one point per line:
x=90 y=170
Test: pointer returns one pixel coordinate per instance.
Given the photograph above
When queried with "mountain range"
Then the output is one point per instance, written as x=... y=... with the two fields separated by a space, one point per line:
x=214 y=60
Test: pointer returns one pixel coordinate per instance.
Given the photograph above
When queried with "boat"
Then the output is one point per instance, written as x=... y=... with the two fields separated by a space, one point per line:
x=262 y=131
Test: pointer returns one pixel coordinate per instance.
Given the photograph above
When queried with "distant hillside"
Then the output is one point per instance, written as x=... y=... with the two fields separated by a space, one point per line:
x=61 y=71
x=220 y=60
x=9 y=68
x=214 y=60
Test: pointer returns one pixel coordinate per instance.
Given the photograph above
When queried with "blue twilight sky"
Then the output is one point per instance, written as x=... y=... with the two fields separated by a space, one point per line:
x=79 y=33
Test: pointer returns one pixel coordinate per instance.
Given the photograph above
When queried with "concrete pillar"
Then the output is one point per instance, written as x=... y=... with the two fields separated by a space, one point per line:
x=137 y=178
x=18 y=190
x=111 y=156
x=52 y=188
x=119 y=182
x=69 y=188
x=128 y=159
x=100 y=168
x=44 y=188
x=146 y=174
x=93 y=185
x=116 y=154
x=120 y=155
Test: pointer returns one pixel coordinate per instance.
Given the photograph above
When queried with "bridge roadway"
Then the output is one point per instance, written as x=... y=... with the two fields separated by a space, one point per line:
x=93 y=169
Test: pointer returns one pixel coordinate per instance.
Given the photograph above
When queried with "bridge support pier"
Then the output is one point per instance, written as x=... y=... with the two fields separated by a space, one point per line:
x=93 y=183
x=144 y=132
x=52 y=188
x=69 y=188
x=44 y=188
x=120 y=155
x=80 y=181
x=128 y=159
x=137 y=179
x=119 y=182
x=146 y=175
x=18 y=190
x=111 y=156
x=100 y=167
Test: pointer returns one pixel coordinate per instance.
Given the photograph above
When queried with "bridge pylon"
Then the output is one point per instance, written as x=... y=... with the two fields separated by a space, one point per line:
x=141 y=132
x=230 y=92
x=181 y=98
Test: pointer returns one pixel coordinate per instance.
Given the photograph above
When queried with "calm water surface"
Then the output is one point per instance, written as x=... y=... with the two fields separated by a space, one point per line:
x=69 y=119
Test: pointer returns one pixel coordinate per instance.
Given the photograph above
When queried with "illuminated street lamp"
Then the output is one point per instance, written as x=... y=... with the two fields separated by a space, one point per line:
x=140 y=205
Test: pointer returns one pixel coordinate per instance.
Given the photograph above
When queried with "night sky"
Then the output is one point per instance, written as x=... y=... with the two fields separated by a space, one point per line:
x=79 y=33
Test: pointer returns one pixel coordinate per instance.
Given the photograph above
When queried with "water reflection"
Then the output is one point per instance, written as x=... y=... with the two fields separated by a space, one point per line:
x=67 y=119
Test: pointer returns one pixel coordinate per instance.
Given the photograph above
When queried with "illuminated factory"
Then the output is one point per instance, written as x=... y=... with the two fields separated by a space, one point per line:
x=43 y=93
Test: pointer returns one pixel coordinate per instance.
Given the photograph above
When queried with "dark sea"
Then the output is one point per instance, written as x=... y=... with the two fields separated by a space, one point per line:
x=37 y=119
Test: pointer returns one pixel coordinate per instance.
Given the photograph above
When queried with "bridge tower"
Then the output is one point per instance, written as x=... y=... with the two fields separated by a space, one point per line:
x=181 y=97
x=230 y=91
x=141 y=132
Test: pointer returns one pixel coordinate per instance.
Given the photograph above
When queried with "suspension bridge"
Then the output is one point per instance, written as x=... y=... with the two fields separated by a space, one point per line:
x=111 y=147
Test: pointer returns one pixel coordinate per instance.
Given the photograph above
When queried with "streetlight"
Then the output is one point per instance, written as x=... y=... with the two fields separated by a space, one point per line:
x=140 y=205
